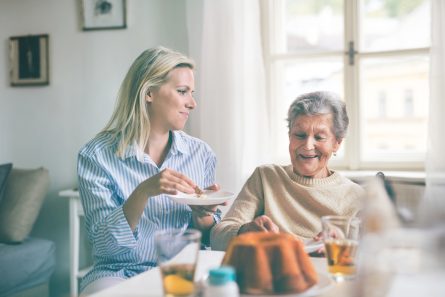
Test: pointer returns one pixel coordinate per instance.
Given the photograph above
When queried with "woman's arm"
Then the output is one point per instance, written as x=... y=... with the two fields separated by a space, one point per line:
x=247 y=206
x=107 y=228
x=112 y=223
x=168 y=181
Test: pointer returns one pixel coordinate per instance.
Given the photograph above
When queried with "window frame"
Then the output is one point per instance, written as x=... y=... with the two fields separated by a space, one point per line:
x=352 y=146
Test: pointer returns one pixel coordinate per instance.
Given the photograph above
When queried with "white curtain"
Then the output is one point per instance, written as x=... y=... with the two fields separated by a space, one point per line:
x=434 y=210
x=225 y=41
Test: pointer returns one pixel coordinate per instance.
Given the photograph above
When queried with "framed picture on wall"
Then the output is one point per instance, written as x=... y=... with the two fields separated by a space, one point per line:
x=103 y=14
x=29 y=60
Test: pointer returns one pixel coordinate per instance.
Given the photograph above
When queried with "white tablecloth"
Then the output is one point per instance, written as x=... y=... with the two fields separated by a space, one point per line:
x=149 y=284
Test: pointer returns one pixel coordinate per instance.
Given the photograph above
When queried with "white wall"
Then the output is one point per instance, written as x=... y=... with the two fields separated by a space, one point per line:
x=46 y=126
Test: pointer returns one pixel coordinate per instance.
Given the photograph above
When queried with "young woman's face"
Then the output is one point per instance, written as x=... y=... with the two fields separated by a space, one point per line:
x=311 y=144
x=171 y=103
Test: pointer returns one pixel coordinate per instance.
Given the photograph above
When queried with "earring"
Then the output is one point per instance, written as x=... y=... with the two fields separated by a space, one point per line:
x=335 y=154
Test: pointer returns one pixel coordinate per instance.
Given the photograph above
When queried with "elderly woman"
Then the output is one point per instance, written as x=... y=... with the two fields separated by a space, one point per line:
x=292 y=198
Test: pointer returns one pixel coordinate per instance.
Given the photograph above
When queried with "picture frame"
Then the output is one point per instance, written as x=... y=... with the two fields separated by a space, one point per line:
x=29 y=60
x=103 y=14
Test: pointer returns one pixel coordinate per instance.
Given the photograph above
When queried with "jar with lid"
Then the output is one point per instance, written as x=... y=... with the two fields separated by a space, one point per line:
x=221 y=283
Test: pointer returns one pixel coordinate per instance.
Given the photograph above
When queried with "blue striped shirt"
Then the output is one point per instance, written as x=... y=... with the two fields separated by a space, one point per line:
x=106 y=181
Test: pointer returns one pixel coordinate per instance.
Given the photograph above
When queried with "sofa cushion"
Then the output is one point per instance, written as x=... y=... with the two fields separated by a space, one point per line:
x=26 y=264
x=24 y=194
x=4 y=173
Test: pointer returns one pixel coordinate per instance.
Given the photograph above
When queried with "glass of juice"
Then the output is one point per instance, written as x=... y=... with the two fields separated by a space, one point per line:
x=340 y=236
x=177 y=251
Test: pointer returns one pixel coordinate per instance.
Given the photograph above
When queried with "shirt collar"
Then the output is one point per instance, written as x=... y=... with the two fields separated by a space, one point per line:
x=178 y=146
x=132 y=150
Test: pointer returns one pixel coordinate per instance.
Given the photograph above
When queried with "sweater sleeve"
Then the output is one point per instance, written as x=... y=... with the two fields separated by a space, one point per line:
x=247 y=206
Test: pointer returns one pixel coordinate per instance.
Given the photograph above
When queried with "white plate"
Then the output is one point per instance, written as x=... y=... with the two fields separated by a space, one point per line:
x=311 y=245
x=208 y=198
x=324 y=283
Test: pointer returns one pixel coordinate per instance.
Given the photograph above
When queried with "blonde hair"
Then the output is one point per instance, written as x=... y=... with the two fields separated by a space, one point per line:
x=130 y=121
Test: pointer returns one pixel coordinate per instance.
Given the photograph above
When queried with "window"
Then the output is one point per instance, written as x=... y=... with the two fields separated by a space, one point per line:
x=373 y=53
x=409 y=103
x=382 y=104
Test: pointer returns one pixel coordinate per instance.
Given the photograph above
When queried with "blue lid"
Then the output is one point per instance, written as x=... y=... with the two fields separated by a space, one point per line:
x=221 y=275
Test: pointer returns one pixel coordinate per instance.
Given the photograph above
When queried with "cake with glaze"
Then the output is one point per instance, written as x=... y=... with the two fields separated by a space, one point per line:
x=268 y=263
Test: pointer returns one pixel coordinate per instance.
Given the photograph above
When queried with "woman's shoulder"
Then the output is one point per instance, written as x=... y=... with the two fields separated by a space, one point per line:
x=271 y=167
x=343 y=178
x=191 y=141
x=347 y=181
x=101 y=142
x=271 y=170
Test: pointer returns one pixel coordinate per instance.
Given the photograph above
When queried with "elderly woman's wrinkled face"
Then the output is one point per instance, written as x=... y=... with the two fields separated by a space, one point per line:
x=311 y=144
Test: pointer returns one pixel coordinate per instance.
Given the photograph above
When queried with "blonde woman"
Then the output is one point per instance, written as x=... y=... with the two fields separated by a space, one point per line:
x=141 y=155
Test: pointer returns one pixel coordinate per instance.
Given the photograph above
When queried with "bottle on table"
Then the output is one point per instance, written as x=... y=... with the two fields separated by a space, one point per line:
x=221 y=283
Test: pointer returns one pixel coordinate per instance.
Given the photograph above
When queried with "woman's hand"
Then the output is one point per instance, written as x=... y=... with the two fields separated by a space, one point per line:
x=318 y=237
x=202 y=216
x=206 y=210
x=168 y=181
x=261 y=223
x=320 y=251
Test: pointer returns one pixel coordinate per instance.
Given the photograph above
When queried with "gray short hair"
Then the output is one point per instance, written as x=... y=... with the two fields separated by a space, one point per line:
x=317 y=103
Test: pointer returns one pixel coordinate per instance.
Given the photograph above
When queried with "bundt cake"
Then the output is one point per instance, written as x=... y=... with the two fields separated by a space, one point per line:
x=270 y=263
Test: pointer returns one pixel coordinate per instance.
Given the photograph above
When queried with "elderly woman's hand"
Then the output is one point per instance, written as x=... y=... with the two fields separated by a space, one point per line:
x=261 y=223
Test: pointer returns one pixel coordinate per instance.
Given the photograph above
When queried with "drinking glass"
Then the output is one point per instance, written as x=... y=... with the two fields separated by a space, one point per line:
x=340 y=236
x=177 y=251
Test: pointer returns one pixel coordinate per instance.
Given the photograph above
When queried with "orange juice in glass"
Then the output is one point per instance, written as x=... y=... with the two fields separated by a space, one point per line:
x=340 y=236
x=177 y=251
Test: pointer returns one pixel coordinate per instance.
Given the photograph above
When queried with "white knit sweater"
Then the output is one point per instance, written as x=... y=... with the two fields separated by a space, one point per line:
x=294 y=203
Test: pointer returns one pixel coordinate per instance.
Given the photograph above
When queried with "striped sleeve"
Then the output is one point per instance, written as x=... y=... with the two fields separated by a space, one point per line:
x=105 y=221
x=210 y=167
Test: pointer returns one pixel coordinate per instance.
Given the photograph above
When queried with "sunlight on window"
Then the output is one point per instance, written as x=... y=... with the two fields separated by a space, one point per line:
x=379 y=65
x=395 y=24
x=314 y=25
x=403 y=127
